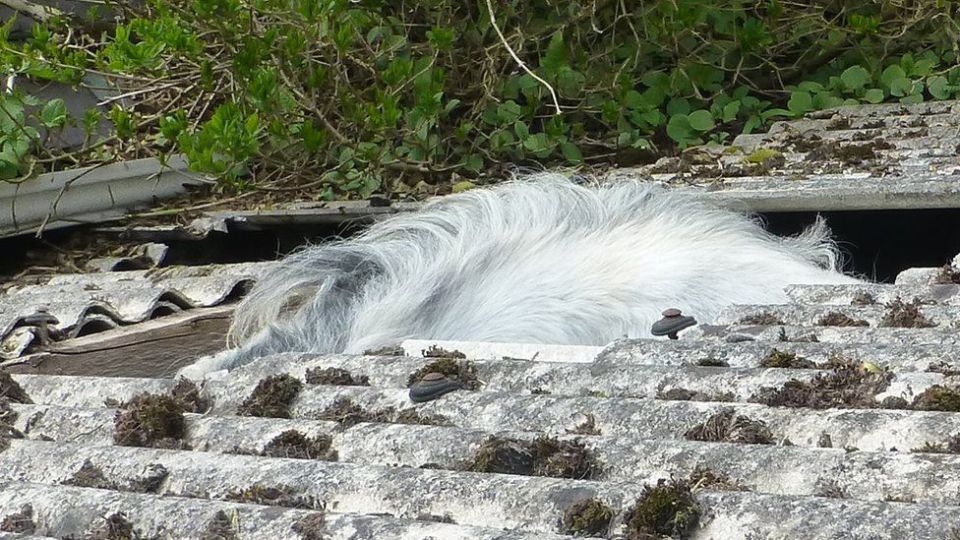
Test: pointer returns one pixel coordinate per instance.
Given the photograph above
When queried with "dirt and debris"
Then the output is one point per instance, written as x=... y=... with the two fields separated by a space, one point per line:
x=862 y=298
x=589 y=517
x=394 y=350
x=951 y=446
x=938 y=398
x=311 y=527
x=445 y=518
x=150 y=482
x=849 y=384
x=587 y=427
x=851 y=154
x=7 y=418
x=712 y=362
x=784 y=359
x=944 y=368
x=296 y=445
x=543 y=456
x=666 y=510
x=830 y=489
x=150 y=420
x=272 y=397
x=707 y=478
x=11 y=389
x=726 y=426
x=348 y=414
x=838 y=123
x=19 y=522
x=90 y=476
x=761 y=319
x=835 y=318
x=800 y=338
x=682 y=394
x=948 y=275
x=801 y=142
x=221 y=527
x=763 y=160
x=434 y=351
x=115 y=527
x=902 y=314
x=187 y=393
x=462 y=371
x=336 y=377
x=274 y=496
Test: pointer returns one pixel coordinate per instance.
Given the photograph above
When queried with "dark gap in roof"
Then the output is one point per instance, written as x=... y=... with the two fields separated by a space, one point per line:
x=880 y=244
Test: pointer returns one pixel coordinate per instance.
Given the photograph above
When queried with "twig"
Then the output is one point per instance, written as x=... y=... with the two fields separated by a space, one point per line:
x=38 y=12
x=66 y=186
x=170 y=211
x=493 y=23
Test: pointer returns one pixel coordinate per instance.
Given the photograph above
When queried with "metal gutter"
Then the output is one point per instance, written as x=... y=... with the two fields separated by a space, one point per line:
x=90 y=194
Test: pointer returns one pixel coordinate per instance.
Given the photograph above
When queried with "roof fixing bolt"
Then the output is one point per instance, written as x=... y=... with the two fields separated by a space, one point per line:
x=41 y=319
x=672 y=323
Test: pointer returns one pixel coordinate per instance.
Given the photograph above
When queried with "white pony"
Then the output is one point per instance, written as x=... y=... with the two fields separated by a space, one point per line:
x=538 y=260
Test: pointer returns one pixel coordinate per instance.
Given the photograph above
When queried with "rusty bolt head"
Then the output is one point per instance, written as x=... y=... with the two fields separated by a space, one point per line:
x=671 y=313
x=432 y=376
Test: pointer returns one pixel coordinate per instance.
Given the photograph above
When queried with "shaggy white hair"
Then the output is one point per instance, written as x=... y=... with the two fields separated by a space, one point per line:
x=539 y=260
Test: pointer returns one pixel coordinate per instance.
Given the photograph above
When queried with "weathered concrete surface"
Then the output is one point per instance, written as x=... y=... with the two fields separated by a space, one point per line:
x=63 y=511
x=942 y=316
x=947 y=294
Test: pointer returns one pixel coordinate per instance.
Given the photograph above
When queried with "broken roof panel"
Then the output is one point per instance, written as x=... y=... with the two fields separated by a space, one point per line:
x=77 y=304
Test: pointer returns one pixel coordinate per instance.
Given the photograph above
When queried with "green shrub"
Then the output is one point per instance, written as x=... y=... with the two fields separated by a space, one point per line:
x=357 y=97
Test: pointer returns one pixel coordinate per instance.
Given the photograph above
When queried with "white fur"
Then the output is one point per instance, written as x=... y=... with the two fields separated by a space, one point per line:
x=541 y=260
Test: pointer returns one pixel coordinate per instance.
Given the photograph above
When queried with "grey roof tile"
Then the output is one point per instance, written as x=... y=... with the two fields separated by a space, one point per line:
x=83 y=303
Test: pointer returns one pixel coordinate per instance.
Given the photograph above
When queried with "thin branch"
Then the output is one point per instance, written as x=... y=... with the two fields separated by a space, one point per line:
x=493 y=23
x=35 y=11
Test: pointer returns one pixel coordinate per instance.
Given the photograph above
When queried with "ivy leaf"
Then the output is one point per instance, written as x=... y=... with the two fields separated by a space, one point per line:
x=54 y=113
x=855 y=77
x=901 y=87
x=730 y=111
x=508 y=112
x=938 y=86
x=521 y=129
x=539 y=144
x=571 y=153
x=800 y=103
x=890 y=74
x=701 y=120
x=873 y=95
x=556 y=57
x=679 y=128
x=633 y=99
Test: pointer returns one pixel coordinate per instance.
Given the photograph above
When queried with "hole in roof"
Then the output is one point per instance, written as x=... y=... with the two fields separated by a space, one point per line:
x=163 y=309
x=239 y=290
x=133 y=263
x=94 y=326
x=879 y=244
x=175 y=300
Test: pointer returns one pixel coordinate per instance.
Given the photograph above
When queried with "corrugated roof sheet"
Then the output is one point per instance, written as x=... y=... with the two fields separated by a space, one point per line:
x=86 y=302
x=833 y=416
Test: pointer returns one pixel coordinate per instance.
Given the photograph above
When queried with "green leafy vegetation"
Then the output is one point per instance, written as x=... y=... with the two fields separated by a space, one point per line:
x=352 y=98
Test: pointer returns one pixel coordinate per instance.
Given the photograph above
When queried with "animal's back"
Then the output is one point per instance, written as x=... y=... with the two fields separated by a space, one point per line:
x=538 y=261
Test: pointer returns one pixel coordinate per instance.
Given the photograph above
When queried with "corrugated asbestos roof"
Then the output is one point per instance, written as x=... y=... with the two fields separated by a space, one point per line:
x=84 y=303
x=833 y=416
